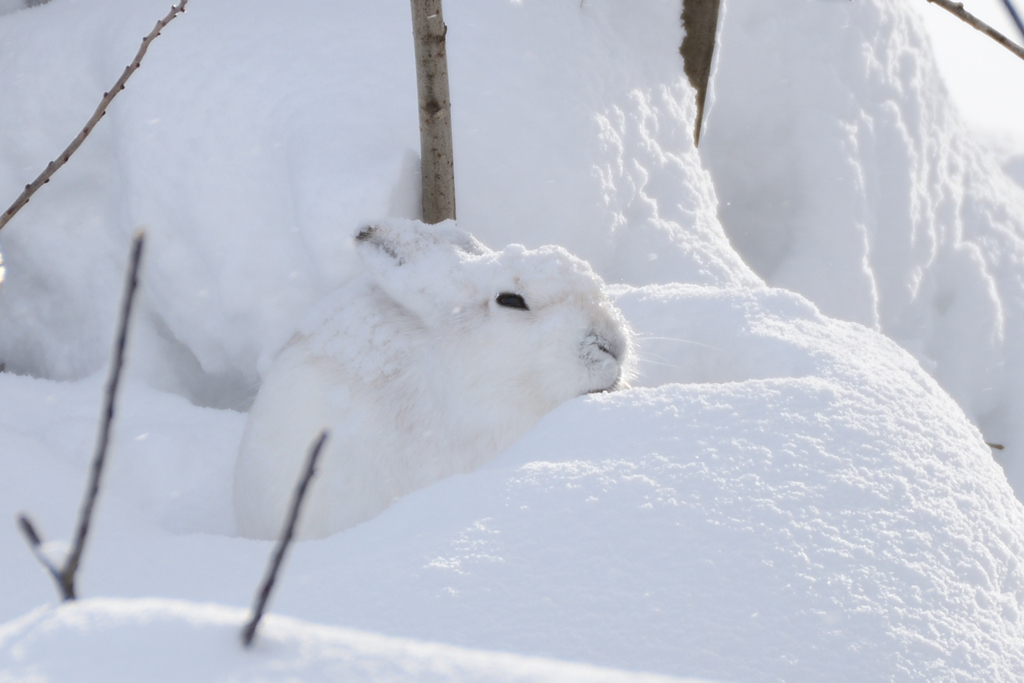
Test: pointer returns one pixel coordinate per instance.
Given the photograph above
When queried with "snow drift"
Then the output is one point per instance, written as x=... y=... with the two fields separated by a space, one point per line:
x=853 y=181
x=809 y=504
x=142 y=640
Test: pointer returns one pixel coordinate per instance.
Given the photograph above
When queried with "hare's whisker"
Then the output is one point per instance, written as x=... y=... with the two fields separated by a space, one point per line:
x=676 y=339
x=646 y=361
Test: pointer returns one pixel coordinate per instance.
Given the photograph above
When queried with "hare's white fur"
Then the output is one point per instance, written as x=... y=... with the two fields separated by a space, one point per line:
x=420 y=373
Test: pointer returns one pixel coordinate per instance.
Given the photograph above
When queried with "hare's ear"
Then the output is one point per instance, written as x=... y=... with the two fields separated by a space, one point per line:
x=419 y=265
x=405 y=241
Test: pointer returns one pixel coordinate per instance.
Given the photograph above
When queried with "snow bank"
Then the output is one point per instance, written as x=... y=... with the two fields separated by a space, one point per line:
x=810 y=506
x=143 y=640
x=851 y=180
x=257 y=136
x=1014 y=167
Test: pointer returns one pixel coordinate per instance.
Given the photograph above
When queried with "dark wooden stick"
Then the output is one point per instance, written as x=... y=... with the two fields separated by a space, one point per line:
x=1016 y=17
x=287 y=533
x=957 y=10
x=437 y=164
x=108 y=96
x=36 y=544
x=65 y=577
x=103 y=441
x=700 y=19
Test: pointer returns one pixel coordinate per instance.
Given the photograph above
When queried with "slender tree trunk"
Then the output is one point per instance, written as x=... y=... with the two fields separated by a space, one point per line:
x=700 y=19
x=435 y=111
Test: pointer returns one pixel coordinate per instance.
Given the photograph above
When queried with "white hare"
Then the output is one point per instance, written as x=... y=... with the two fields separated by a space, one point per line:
x=440 y=356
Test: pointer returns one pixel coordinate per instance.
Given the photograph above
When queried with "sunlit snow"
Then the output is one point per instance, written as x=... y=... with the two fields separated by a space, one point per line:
x=827 y=299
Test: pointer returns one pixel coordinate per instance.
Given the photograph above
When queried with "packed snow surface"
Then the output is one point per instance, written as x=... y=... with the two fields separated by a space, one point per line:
x=782 y=496
x=143 y=640
x=805 y=502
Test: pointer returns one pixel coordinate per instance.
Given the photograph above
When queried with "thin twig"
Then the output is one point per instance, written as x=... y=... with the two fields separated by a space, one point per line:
x=957 y=10
x=65 y=577
x=36 y=544
x=1016 y=17
x=130 y=286
x=249 y=632
x=108 y=96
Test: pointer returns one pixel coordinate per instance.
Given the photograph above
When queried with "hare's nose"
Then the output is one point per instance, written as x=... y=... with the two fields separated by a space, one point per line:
x=608 y=346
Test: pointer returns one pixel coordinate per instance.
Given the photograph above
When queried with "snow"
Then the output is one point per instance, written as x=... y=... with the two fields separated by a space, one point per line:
x=797 y=488
x=803 y=511
x=100 y=639
x=855 y=183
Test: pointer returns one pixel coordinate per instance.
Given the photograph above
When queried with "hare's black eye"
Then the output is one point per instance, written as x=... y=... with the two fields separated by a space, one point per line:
x=510 y=300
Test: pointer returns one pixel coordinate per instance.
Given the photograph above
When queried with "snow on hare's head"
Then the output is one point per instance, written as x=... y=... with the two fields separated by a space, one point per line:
x=441 y=355
x=537 y=322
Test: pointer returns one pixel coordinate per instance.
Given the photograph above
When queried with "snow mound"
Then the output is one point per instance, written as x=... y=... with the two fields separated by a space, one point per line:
x=811 y=506
x=839 y=521
x=854 y=182
x=1014 y=167
x=252 y=143
x=144 y=640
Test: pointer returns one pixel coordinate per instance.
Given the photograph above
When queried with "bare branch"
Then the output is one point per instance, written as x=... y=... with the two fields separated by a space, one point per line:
x=130 y=286
x=287 y=533
x=436 y=160
x=108 y=96
x=957 y=10
x=1016 y=17
x=65 y=577
x=36 y=544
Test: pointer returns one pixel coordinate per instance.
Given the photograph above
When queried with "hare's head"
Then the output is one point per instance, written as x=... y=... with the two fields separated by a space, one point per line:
x=531 y=327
